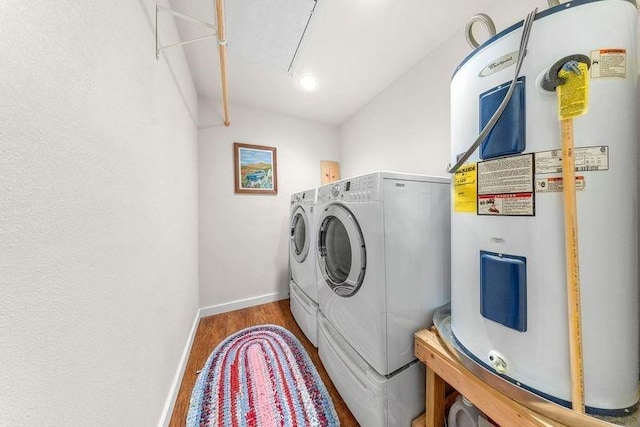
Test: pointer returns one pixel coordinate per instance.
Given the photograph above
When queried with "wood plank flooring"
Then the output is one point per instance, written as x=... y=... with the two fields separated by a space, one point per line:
x=213 y=329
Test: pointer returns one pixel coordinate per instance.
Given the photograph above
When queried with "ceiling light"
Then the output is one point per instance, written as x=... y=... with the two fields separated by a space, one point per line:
x=308 y=82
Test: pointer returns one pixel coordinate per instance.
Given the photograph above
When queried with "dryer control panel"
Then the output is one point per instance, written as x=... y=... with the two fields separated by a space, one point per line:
x=304 y=197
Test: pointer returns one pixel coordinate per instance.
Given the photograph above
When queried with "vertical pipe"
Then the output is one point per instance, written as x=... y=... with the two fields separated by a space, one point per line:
x=222 y=49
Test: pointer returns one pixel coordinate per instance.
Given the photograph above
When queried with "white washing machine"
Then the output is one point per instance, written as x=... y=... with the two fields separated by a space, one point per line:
x=303 y=290
x=384 y=258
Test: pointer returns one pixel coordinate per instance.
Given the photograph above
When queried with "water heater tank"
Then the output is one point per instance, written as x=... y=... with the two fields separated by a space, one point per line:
x=509 y=292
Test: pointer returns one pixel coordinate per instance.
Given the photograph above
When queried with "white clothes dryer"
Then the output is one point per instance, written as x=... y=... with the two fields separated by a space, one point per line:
x=384 y=256
x=303 y=290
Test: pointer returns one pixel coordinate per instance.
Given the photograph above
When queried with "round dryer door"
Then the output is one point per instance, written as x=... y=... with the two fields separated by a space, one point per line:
x=300 y=229
x=341 y=250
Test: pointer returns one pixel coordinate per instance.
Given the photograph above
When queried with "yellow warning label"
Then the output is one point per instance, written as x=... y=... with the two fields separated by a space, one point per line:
x=573 y=95
x=465 y=189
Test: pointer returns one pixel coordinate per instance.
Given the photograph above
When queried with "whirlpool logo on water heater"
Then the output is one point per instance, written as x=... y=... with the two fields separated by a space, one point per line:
x=501 y=63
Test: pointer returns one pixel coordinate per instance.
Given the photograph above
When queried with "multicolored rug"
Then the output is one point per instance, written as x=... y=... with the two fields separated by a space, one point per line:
x=263 y=377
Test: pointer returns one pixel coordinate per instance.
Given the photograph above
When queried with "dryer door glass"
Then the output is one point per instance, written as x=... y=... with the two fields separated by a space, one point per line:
x=341 y=250
x=338 y=256
x=299 y=230
x=299 y=245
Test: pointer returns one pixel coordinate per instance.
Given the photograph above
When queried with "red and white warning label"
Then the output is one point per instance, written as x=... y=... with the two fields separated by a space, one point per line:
x=608 y=63
x=518 y=204
x=553 y=184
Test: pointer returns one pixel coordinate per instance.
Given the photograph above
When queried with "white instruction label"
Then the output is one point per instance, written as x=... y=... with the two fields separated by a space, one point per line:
x=505 y=186
x=588 y=159
x=506 y=175
x=608 y=63
x=553 y=184
x=518 y=204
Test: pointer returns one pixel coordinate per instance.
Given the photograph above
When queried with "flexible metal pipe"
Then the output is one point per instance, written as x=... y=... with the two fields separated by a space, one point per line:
x=488 y=23
x=526 y=30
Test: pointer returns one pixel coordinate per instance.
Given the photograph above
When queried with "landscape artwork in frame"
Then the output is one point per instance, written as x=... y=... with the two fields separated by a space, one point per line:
x=255 y=168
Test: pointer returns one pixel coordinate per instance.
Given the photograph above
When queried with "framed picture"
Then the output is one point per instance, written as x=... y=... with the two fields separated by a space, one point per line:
x=255 y=168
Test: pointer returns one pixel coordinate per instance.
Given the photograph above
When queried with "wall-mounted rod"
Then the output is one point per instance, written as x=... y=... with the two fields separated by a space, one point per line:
x=222 y=49
x=187 y=42
x=185 y=17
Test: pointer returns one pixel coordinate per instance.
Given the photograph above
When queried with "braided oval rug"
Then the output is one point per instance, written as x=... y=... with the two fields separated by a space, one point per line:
x=263 y=377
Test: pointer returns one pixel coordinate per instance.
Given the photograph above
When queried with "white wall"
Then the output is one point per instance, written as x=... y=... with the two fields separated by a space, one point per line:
x=244 y=237
x=406 y=127
x=98 y=214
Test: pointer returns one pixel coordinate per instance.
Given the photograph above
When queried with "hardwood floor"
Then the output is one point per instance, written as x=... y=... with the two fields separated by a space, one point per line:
x=212 y=330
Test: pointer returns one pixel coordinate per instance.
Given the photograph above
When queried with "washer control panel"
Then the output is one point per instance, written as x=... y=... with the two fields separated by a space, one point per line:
x=365 y=188
x=359 y=189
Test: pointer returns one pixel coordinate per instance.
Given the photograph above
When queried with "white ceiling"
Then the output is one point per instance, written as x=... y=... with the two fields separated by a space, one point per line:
x=355 y=48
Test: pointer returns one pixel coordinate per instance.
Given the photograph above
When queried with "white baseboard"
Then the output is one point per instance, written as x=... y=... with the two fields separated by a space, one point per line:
x=177 y=380
x=243 y=303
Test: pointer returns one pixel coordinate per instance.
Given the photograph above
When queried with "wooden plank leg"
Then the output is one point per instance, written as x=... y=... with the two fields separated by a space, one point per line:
x=435 y=399
x=420 y=421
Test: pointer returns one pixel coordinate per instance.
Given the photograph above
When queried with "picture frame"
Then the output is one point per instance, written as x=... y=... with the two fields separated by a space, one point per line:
x=255 y=169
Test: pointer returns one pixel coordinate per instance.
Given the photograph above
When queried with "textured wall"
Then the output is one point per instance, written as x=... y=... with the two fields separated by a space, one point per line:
x=98 y=214
x=406 y=127
x=244 y=238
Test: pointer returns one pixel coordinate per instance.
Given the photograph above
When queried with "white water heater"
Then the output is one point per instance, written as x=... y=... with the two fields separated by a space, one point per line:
x=509 y=292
